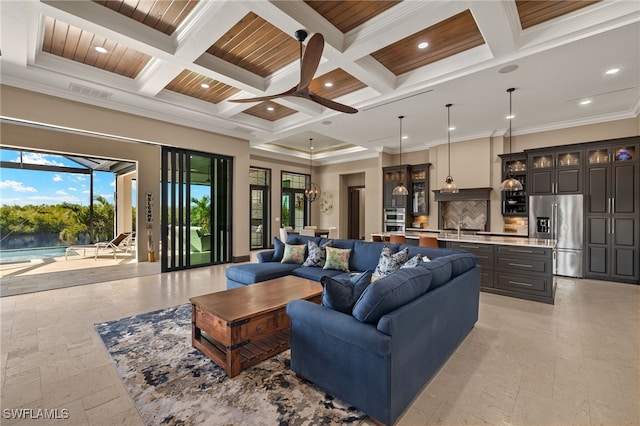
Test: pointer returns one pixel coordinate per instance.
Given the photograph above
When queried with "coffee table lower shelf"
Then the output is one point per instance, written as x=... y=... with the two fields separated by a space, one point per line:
x=234 y=360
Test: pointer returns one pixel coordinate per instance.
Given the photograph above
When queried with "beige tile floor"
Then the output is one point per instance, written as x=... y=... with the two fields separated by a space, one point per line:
x=528 y=363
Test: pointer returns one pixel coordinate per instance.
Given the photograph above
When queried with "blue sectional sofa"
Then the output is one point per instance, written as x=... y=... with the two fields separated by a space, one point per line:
x=400 y=332
x=364 y=256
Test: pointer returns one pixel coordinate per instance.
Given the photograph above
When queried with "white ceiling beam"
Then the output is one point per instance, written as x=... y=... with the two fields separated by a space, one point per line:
x=498 y=23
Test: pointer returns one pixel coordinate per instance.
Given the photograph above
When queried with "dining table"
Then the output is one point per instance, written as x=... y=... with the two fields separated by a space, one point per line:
x=318 y=232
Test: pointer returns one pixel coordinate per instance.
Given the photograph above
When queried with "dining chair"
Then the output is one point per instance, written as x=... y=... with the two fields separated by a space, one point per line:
x=283 y=235
x=308 y=232
x=397 y=239
x=426 y=241
x=310 y=227
x=333 y=232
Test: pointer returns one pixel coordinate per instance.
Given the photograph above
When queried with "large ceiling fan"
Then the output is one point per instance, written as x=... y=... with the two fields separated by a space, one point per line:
x=308 y=66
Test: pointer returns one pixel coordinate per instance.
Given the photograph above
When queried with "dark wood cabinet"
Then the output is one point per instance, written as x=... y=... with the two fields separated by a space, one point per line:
x=391 y=176
x=524 y=272
x=514 y=203
x=612 y=211
x=555 y=172
x=484 y=254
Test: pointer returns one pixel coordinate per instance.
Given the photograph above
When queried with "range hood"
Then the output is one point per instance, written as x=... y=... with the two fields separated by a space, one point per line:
x=469 y=194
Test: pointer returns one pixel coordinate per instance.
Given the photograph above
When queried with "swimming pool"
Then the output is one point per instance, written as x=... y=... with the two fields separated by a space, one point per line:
x=25 y=255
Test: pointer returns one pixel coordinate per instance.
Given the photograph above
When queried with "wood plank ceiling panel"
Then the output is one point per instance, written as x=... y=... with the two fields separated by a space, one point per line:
x=257 y=46
x=162 y=15
x=534 y=12
x=446 y=38
x=342 y=84
x=69 y=42
x=347 y=15
x=189 y=83
x=262 y=111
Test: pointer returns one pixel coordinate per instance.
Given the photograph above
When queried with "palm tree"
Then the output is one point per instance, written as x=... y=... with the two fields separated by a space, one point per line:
x=201 y=213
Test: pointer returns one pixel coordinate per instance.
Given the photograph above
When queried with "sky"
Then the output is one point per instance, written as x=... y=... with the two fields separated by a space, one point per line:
x=23 y=187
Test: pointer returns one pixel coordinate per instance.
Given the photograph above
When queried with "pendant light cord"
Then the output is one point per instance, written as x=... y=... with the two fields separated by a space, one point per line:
x=449 y=136
x=310 y=159
x=401 y=117
x=510 y=90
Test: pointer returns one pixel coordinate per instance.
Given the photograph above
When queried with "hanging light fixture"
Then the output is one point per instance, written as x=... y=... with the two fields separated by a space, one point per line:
x=311 y=190
x=449 y=186
x=510 y=183
x=400 y=189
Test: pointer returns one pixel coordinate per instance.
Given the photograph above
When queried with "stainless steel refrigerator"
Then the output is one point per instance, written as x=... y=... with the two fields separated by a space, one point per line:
x=560 y=217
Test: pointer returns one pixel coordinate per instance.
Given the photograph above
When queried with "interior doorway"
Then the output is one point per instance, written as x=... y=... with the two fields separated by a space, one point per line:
x=355 y=216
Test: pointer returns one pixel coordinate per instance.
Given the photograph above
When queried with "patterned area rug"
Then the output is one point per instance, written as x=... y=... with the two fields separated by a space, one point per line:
x=171 y=383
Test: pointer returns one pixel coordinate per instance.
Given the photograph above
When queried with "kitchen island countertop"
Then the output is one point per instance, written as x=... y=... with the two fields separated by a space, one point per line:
x=483 y=239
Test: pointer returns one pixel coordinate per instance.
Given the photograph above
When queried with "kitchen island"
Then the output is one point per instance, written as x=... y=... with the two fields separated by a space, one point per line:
x=514 y=266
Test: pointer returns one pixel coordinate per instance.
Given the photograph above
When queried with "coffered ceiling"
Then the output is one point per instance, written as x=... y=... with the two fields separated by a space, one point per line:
x=184 y=60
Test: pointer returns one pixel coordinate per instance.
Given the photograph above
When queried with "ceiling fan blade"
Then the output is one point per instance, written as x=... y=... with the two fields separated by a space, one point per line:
x=310 y=60
x=332 y=104
x=289 y=92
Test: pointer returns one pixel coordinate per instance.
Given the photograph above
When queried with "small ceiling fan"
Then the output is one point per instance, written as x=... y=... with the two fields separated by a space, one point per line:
x=308 y=66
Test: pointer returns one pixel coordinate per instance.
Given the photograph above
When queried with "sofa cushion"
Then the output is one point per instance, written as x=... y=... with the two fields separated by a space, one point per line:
x=460 y=263
x=391 y=292
x=293 y=253
x=390 y=262
x=316 y=254
x=341 y=294
x=301 y=239
x=338 y=259
x=365 y=255
x=440 y=271
x=278 y=250
x=256 y=272
x=314 y=274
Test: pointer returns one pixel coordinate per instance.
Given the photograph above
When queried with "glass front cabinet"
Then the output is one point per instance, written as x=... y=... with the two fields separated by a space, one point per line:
x=514 y=203
x=555 y=172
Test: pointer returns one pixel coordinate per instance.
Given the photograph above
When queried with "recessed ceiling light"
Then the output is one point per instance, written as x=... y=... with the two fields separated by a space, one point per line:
x=508 y=69
x=612 y=71
x=204 y=85
x=423 y=45
x=405 y=137
x=585 y=102
x=452 y=128
x=510 y=117
x=100 y=49
x=313 y=147
x=270 y=108
x=328 y=84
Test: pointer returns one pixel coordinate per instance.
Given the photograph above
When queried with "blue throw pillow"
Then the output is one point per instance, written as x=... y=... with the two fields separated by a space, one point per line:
x=391 y=292
x=341 y=295
x=278 y=250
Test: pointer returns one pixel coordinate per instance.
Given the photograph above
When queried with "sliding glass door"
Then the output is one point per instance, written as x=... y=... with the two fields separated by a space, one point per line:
x=260 y=206
x=196 y=209
x=295 y=210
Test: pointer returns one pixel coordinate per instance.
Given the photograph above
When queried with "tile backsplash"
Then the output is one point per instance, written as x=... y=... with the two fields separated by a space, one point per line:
x=472 y=214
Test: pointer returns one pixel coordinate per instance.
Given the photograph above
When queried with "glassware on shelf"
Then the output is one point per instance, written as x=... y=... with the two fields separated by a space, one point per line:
x=623 y=155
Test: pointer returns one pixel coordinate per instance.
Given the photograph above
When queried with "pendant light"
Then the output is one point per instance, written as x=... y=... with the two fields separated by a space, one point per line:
x=510 y=183
x=400 y=189
x=311 y=190
x=449 y=186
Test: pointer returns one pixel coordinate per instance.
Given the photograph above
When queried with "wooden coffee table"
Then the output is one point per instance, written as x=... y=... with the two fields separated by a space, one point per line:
x=240 y=327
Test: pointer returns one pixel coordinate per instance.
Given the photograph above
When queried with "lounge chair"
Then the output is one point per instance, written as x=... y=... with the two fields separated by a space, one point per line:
x=121 y=243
